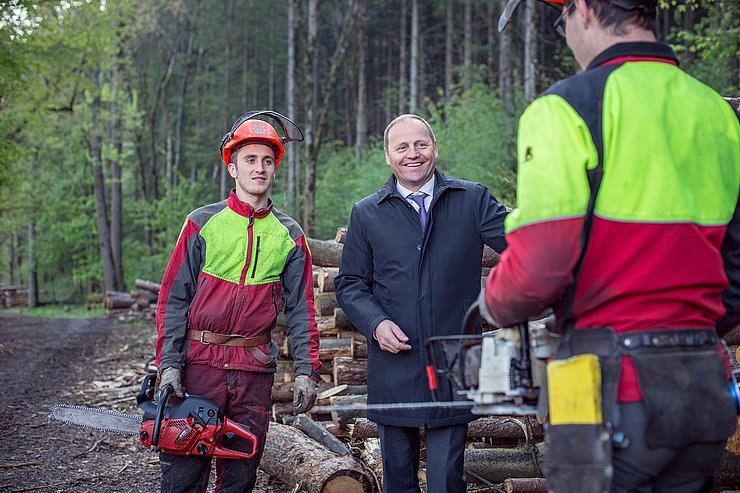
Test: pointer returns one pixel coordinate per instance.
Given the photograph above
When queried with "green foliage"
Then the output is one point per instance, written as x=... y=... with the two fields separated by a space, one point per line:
x=61 y=311
x=709 y=50
x=476 y=140
x=342 y=180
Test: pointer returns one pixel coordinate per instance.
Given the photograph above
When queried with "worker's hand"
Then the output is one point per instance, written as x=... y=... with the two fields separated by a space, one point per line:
x=484 y=311
x=172 y=376
x=390 y=337
x=304 y=394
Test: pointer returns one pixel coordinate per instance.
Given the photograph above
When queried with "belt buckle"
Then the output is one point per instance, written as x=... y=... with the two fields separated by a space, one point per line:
x=203 y=333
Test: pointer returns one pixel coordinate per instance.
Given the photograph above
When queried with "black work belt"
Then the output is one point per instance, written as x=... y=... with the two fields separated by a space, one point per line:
x=668 y=339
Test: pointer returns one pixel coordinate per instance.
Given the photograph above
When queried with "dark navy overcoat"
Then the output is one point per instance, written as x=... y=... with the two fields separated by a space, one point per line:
x=423 y=280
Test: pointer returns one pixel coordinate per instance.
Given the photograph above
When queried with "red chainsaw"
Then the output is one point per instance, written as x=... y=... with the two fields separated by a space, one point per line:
x=193 y=426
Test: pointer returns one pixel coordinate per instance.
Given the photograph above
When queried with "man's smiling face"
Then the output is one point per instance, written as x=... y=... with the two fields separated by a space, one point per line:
x=411 y=153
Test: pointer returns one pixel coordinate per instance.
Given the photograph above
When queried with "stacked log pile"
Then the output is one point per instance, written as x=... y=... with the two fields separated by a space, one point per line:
x=13 y=296
x=139 y=303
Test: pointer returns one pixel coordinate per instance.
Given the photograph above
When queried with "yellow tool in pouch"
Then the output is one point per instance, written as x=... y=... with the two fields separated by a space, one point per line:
x=574 y=390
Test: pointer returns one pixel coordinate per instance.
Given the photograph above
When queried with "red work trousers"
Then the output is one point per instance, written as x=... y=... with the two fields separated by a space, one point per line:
x=245 y=398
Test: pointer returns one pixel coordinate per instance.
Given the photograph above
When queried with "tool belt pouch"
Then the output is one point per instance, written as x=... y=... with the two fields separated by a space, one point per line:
x=686 y=395
x=582 y=384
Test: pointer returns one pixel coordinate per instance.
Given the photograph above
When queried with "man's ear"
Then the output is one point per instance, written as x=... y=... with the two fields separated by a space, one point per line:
x=232 y=170
x=584 y=13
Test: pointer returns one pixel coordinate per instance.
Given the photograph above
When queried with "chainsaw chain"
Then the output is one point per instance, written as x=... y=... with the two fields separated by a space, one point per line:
x=56 y=414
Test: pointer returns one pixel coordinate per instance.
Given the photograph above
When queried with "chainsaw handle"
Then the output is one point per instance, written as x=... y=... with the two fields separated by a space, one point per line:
x=240 y=431
x=164 y=394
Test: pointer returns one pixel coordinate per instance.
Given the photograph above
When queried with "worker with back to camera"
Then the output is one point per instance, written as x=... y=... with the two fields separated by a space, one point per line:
x=627 y=223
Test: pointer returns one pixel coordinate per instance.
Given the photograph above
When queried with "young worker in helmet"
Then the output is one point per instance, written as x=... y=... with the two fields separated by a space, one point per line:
x=219 y=300
x=627 y=223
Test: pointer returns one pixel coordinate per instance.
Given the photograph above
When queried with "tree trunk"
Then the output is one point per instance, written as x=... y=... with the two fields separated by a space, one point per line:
x=501 y=428
x=99 y=189
x=191 y=27
x=530 y=50
x=33 y=288
x=495 y=465
x=413 y=77
x=525 y=485
x=223 y=191
x=468 y=41
x=449 y=36
x=326 y=278
x=361 y=115
x=504 y=68
x=294 y=458
x=350 y=371
x=154 y=287
x=116 y=195
x=312 y=148
x=402 y=73
x=290 y=97
x=325 y=304
x=325 y=253
x=310 y=74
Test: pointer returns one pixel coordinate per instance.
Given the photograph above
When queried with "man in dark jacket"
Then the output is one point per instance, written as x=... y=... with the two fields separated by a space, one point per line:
x=410 y=269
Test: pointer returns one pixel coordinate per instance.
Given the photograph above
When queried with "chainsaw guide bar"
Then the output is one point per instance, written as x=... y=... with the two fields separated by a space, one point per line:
x=98 y=419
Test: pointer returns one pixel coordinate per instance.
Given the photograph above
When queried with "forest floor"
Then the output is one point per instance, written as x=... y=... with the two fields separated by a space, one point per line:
x=95 y=362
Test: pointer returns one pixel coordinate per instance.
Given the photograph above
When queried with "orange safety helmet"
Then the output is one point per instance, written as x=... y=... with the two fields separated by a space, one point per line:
x=247 y=129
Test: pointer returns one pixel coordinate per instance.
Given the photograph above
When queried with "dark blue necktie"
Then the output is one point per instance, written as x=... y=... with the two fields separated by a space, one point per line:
x=419 y=197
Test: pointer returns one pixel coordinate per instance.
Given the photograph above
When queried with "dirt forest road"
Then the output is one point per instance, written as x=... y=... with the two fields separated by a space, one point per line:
x=93 y=362
x=45 y=361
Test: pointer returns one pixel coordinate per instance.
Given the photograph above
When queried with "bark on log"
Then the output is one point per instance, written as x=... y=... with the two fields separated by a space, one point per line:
x=154 y=287
x=325 y=253
x=320 y=434
x=341 y=319
x=325 y=303
x=525 y=485
x=495 y=427
x=282 y=392
x=341 y=235
x=331 y=348
x=293 y=458
x=118 y=299
x=344 y=418
x=733 y=336
x=350 y=371
x=326 y=279
x=495 y=465
x=490 y=257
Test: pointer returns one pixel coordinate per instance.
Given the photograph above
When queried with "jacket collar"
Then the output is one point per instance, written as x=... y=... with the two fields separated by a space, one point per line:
x=246 y=210
x=633 y=52
x=442 y=183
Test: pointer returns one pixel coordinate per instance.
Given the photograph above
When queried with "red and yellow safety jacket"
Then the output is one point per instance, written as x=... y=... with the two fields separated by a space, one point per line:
x=663 y=241
x=225 y=276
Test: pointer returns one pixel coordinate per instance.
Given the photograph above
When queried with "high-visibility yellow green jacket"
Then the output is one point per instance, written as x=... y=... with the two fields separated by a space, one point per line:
x=665 y=237
x=226 y=274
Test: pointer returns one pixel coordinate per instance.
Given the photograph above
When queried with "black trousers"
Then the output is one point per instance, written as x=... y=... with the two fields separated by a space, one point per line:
x=400 y=447
x=640 y=469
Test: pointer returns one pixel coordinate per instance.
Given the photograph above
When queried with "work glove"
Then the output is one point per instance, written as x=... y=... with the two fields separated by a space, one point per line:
x=304 y=394
x=172 y=376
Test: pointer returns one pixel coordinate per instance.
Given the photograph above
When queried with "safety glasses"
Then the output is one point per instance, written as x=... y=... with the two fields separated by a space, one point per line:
x=559 y=23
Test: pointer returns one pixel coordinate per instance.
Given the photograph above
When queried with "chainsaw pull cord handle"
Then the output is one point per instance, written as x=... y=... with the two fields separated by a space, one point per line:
x=471 y=320
x=164 y=394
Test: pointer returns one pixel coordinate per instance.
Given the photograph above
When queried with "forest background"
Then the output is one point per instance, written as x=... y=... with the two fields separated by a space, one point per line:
x=111 y=111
